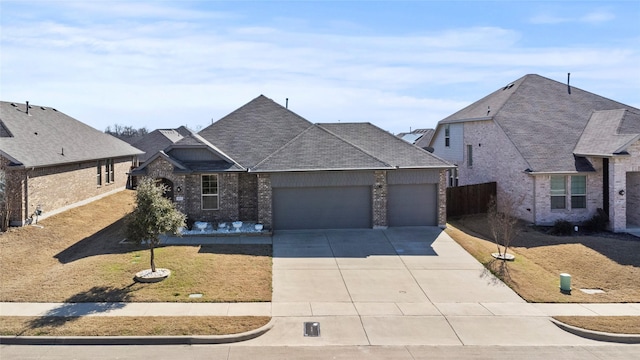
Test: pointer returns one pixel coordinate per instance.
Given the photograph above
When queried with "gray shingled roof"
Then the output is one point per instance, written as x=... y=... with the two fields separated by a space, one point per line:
x=317 y=149
x=46 y=137
x=264 y=136
x=155 y=141
x=255 y=131
x=194 y=140
x=542 y=118
x=385 y=146
x=609 y=132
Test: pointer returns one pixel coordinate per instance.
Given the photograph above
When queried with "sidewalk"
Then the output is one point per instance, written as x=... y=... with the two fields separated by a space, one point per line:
x=312 y=309
x=347 y=324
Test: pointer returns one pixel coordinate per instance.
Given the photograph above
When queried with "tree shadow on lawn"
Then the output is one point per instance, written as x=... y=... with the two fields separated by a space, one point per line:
x=98 y=299
x=495 y=270
x=105 y=241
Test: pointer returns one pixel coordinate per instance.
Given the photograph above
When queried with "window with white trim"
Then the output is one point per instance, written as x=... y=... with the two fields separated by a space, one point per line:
x=109 y=173
x=579 y=192
x=99 y=173
x=447 y=135
x=210 y=192
x=564 y=186
x=558 y=192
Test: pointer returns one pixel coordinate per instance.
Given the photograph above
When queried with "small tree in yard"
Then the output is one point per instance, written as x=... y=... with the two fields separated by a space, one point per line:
x=504 y=225
x=154 y=215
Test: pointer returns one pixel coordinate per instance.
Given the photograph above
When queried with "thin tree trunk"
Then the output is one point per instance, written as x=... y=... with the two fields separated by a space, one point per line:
x=153 y=263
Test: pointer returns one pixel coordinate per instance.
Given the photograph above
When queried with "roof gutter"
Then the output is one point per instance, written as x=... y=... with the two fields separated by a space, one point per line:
x=556 y=172
x=483 y=118
x=354 y=169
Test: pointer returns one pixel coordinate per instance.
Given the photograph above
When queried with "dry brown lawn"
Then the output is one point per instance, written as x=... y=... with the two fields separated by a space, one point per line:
x=610 y=324
x=610 y=262
x=128 y=326
x=77 y=257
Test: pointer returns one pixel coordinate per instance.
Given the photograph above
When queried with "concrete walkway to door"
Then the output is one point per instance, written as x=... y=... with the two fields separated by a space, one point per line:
x=398 y=286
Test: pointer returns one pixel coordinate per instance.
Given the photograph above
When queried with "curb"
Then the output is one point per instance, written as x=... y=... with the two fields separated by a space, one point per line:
x=598 y=335
x=137 y=340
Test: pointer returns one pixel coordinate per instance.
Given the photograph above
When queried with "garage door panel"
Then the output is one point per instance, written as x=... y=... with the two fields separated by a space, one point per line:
x=412 y=205
x=322 y=207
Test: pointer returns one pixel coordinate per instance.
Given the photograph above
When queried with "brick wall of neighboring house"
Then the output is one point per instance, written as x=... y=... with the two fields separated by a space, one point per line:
x=58 y=187
x=248 y=196
x=14 y=191
x=495 y=158
x=379 y=199
x=620 y=167
x=546 y=216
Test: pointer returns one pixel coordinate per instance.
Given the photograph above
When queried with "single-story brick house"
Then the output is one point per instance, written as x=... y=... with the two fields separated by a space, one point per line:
x=564 y=151
x=263 y=163
x=53 y=162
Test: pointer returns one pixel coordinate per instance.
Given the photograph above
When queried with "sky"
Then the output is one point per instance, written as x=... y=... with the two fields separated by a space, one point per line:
x=400 y=65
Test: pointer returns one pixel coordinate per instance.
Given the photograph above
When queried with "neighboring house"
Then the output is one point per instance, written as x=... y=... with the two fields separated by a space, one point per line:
x=418 y=137
x=158 y=140
x=562 y=151
x=53 y=161
x=264 y=163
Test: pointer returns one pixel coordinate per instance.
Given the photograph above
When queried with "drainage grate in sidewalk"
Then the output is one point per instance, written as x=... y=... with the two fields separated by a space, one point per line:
x=312 y=329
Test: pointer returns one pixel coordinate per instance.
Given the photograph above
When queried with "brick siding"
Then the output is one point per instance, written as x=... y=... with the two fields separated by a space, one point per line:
x=265 y=198
x=379 y=197
x=59 y=187
x=496 y=159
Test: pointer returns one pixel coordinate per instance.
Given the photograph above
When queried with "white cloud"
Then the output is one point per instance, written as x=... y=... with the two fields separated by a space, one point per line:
x=173 y=66
x=594 y=17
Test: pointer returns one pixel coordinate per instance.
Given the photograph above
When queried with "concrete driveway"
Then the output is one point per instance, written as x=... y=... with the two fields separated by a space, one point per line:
x=398 y=286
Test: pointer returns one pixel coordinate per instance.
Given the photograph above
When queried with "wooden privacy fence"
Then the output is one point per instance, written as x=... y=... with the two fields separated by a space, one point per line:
x=469 y=199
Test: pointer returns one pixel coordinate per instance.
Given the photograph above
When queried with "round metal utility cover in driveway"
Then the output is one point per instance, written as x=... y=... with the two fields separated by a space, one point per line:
x=322 y=207
x=412 y=205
